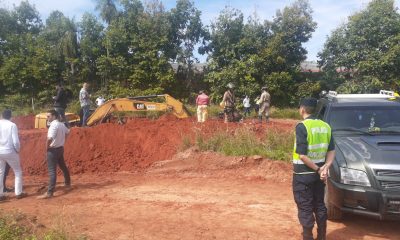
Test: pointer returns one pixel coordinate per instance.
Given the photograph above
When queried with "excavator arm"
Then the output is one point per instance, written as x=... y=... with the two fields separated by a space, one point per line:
x=138 y=104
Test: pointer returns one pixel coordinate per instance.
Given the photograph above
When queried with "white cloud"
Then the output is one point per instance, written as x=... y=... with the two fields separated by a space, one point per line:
x=71 y=8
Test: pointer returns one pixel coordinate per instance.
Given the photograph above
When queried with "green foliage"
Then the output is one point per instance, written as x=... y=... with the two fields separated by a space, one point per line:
x=285 y=113
x=254 y=54
x=276 y=145
x=18 y=226
x=365 y=50
x=9 y=230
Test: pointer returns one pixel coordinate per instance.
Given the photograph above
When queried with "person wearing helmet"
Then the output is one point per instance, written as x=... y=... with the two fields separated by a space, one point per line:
x=265 y=100
x=229 y=103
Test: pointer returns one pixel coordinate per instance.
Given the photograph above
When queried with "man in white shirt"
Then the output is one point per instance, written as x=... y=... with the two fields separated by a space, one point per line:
x=9 y=153
x=55 y=152
x=100 y=101
x=246 y=105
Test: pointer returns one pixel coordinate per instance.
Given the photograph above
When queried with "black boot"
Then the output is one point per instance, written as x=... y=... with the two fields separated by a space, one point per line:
x=8 y=190
x=307 y=233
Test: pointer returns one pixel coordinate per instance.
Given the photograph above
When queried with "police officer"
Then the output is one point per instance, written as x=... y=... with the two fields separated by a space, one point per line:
x=229 y=103
x=313 y=154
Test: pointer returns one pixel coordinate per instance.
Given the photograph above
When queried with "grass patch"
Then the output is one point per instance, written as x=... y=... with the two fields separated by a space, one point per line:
x=275 y=145
x=287 y=113
x=18 y=226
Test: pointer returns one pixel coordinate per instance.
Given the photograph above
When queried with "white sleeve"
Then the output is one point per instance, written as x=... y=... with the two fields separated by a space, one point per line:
x=15 y=138
x=67 y=130
x=51 y=134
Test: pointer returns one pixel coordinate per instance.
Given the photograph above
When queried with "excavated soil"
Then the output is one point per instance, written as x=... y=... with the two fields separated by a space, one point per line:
x=132 y=182
x=130 y=147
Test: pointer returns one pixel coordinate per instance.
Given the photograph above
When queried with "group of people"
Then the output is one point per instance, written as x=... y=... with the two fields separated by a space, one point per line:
x=10 y=148
x=57 y=133
x=62 y=98
x=313 y=155
x=262 y=105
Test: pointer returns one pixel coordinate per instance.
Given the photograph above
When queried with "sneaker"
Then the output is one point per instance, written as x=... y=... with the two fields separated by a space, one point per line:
x=45 y=196
x=22 y=195
x=8 y=190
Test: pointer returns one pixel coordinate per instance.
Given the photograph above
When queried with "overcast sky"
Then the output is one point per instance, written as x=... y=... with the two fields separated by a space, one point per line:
x=327 y=13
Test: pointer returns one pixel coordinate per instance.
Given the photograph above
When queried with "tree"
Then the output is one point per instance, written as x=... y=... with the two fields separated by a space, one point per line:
x=151 y=72
x=61 y=34
x=186 y=32
x=91 y=38
x=19 y=48
x=360 y=60
x=255 y=54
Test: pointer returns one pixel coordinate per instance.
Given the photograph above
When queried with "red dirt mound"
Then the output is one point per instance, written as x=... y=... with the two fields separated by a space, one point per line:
x=24 y=122
x=130 y=147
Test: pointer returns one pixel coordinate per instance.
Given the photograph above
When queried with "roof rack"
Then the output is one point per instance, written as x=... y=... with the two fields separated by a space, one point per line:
x=383 y=94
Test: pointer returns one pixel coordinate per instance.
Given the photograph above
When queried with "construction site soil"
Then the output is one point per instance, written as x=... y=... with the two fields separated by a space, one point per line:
x=134 y=181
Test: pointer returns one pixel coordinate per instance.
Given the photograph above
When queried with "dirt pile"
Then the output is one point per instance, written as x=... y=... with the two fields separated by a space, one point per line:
x=133 y=146
x=24 y=122
x=193 y=163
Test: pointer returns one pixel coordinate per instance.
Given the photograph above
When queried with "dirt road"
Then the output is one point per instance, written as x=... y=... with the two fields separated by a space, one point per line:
x=123 y=188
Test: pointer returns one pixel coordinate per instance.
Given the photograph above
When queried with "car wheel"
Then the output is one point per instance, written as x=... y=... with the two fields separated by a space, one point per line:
x=334 y=213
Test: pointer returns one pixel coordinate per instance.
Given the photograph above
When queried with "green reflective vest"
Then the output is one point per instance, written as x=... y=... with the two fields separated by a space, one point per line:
x=318 y=138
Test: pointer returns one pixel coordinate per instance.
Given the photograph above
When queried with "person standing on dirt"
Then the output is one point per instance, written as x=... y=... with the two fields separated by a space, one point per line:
x=84 y=99
x=265 y=100
x=9 y=153
x=60 y=102
x=100 y=101
x=56 y=136
x=313 y=154
x=202 y=102
x=229 y=103
x=246 y=105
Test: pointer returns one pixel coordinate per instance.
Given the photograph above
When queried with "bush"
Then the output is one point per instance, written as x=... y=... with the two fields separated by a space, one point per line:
x=276 y=145
x=18 y=226
x=287 y=113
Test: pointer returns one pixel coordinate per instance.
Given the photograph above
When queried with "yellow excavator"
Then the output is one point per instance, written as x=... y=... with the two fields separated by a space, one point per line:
x=138 y=104
x=160 y=103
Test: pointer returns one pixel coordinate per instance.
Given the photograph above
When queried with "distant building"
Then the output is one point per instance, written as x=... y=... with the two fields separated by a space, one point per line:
x=310 y=66
x=305 y=67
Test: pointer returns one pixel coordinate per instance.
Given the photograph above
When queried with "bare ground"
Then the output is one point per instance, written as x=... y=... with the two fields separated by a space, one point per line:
x=192 y=196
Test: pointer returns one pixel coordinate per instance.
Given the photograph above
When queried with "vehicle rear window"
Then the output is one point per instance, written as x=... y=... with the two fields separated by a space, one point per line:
x=363 y=117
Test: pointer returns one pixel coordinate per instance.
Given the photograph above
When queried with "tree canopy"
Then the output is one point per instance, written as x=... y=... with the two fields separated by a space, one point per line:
x=363 y=55
x=139 y=47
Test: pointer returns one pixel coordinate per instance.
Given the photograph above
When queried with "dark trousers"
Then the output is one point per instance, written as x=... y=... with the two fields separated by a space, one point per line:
x=86 y=113
x=308 y=191
x=6 y=171
x=61 y=111
x=246 y=111
x=55 y=156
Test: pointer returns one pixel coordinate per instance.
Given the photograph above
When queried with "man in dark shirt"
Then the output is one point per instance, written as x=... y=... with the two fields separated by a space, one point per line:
x=60 y=103
x=312 y=157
